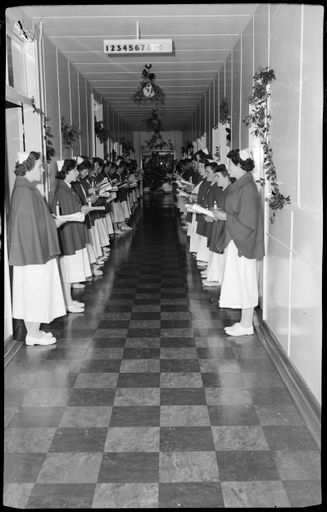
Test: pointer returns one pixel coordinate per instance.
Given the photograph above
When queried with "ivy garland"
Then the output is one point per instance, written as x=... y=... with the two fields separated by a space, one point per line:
x=127 y=146
x=260 y=119
x=69 y=133
x=153 y=122
x=100 y=131
x=225 y=118
x=157 y=142
x=50 y=151
x=147 y=83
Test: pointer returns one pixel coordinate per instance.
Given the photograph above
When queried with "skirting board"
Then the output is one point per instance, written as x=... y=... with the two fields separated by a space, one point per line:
x=11 y=348
x=306 y=403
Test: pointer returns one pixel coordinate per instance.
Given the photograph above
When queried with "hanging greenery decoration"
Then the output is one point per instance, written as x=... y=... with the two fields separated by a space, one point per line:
x=70 y=133
x=50 y=151
x=127 y=146
x=100 y=131
x=153 y=122
x=225 y=118
x=260 y=118
x=156 y=142
x=148 y=91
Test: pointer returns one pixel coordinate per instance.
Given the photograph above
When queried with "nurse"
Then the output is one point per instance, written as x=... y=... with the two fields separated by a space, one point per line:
x=244 y=242
x=73 y=236
x=33 y=251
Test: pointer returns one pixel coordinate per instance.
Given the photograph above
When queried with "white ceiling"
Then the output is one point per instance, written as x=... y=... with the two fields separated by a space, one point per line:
x=202 y=34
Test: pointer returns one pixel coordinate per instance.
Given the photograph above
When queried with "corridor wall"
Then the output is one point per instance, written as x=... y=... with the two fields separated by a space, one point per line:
x=67 y=93
x=289 y=39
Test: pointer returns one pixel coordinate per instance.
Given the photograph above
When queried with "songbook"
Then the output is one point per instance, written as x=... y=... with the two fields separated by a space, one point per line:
x=184 y=182
x=182 y=193
x=204 y=211
x=105 y=187
x=73 y=217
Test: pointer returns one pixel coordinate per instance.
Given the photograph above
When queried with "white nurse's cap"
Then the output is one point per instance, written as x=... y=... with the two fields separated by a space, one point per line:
x=22 y=156
x=246 y=153
x=60 y=163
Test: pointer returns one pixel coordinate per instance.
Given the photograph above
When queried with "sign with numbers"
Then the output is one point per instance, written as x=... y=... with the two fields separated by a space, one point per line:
x=121 y=46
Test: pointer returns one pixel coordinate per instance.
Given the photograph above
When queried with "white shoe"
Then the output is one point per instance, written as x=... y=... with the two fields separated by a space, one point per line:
x=79 y=304
x=97 y=272
x=47 y=334
x=73 y=308
x=78 y=285
x=99 y=263
x=42 y=340
x=126 y=228
x=238 y=330
x=210 y=283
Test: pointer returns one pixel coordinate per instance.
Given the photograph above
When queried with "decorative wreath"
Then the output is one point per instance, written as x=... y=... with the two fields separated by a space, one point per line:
x=148 y=91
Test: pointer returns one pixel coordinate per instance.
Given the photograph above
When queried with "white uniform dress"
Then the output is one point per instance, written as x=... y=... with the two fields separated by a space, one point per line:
x=37 y=292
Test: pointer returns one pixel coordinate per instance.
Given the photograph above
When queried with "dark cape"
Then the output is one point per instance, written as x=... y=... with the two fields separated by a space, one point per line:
x=73 y=236
x=216 y=242
x=201 y=194
x=244 y=222
x=81 y=191
x=211 y=194
x=33 y=238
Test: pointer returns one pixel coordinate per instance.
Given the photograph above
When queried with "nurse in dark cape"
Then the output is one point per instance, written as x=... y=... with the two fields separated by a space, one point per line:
x=33 y=251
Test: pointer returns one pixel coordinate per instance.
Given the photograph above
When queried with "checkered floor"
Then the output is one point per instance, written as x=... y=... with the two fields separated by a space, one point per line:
x=144 y=402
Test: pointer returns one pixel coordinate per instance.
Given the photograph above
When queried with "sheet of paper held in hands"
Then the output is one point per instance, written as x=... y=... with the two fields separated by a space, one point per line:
x=198 y=209
x=184 y=182
x=73 y=217
x=183 y=194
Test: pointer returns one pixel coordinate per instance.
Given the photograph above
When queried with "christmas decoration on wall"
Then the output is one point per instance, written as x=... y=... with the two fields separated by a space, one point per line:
x=127 y=147
x=153 y=122
x=100 y=131
x=260 y=118
x=225 y=118
x=69 y=132
x=156 y=142
x=148 y=91
x=50 y=151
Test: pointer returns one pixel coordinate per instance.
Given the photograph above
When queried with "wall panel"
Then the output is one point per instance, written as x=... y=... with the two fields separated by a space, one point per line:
x=247 y=79
x=64 y=98
x=305 y=326
x=222 y=87
x=236 y=90
x=261 y=37
x=311 y=112
x=285 y=56
x=277 y=289
x=74 y=104
x=228 y=79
